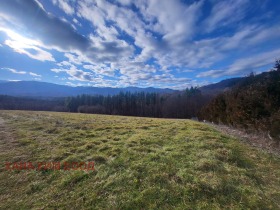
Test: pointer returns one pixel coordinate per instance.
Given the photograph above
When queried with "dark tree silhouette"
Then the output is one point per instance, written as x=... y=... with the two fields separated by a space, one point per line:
x=277 y=65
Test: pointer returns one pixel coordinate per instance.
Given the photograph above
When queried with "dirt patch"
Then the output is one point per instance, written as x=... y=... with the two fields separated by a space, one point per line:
x=258 y=140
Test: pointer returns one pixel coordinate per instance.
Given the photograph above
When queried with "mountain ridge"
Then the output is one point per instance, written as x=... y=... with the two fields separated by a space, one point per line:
x=47 y=89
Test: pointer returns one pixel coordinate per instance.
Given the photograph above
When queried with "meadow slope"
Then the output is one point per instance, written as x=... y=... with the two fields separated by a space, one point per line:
x=140 y=163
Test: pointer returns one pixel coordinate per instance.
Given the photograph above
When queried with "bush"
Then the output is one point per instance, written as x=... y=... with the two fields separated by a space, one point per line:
x=275 y=126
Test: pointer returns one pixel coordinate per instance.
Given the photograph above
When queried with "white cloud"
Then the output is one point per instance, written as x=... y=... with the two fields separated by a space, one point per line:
x=31 y=51
x=77 y=74
x=34 y=74
x=76 y=22
x=29 y=47
x=71 y=84
x=250 y=63
x=74 y=59
x=177 y=22
x=226 y=12
x=14 y=71
x=248 y=36
x=244 y=66
x=40 y=5
x=211 y=73
x=65 y=6
x=101 y=69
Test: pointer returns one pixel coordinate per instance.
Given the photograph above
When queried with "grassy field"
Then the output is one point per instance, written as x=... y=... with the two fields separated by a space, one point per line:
x=140 y=163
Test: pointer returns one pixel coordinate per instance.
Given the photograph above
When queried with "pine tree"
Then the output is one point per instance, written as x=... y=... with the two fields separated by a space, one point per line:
x=277 y=65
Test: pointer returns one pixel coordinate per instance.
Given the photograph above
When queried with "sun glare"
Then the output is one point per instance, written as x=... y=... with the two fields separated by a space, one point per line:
x=23 y=45
x=20 y=41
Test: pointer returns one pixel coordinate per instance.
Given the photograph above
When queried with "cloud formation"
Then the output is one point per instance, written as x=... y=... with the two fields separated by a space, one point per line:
x=50 y=30
x=143 y=42
x=244 y=66
x=55 y=33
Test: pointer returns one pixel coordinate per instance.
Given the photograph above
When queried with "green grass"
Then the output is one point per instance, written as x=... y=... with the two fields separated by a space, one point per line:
x=140 y=163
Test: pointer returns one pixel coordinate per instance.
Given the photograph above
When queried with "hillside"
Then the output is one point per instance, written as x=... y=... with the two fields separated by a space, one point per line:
x=220 y=87
x=253 y=104
x=140 y=163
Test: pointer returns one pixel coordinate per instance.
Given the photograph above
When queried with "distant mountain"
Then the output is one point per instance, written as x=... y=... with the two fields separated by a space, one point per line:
x=43 y=89
x=220 y=87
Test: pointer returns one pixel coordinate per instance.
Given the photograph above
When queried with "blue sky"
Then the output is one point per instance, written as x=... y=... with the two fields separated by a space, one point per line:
x=145 y=43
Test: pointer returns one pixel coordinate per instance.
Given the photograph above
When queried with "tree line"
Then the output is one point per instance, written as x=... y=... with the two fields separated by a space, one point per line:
x=185 y=104
x=181 y=104
x=34 y=104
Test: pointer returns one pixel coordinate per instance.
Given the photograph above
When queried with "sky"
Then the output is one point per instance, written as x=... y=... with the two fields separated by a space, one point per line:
x=143 y=43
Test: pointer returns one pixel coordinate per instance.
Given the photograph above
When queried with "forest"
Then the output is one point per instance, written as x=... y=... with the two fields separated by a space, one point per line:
x=185 y=104
x=34 y=104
